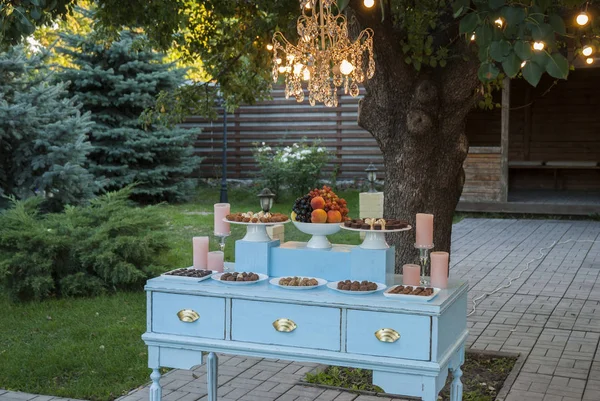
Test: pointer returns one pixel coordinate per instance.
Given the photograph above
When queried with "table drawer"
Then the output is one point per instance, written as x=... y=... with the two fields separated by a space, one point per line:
x=414 y=332
x=306 y=326
x=188 y=315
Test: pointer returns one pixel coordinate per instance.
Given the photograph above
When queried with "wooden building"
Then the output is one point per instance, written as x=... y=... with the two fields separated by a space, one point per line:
x=539 y=153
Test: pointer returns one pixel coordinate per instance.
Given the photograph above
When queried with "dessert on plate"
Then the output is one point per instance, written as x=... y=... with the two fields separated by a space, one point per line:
x=242 y=276
x=183 y=272
x=411 y=290
x=349 y=285
x=298 y=282
x=260 y=217
x=376 y=224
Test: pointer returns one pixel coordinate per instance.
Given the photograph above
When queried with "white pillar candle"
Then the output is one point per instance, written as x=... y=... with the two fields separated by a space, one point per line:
x=200 y=252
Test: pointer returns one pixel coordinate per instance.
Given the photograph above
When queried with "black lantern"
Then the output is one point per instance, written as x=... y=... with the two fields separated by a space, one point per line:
x=371 y=176
x=266 y=199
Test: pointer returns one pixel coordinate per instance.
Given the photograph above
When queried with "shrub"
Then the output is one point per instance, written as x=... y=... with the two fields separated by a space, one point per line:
x=117 y=81
x=43 y=143
x=85 y=250
x=297 y=167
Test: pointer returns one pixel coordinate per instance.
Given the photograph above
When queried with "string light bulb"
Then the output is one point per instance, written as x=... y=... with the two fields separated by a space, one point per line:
x=369 y=3
x=346 y=67
x=587 y=51
x=499 y=22
x=589 y=60
x=473 y=38
x=538 y=46
x=523 y=64
x=269 y=47
x=582 y=19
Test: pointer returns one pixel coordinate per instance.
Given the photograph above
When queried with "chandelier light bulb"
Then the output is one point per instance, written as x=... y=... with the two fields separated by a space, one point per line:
x=298 y=69
x=278 y=61
x=523 y=64
x=308 y=5
x=369 y=3
x=587 y=51
x=538 y=46
x=499 y=22
x=589 y=60
x=269 y=47
x=582 y=19
x=306 y=74
x=346 y=67
x=281 y=69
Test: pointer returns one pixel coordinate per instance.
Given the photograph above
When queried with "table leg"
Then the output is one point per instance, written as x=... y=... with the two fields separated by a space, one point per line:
x=456 y=389
x=212 y=373
x=155 y=390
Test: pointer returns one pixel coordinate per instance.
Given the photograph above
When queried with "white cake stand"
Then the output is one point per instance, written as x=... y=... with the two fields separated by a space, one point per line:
x=375 y=239
x=319 y=232
x=256 y=232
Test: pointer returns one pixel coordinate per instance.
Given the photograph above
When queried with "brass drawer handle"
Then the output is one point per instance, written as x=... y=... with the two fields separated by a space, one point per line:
x=387 y=335
x=284 y=325
x=188 y=315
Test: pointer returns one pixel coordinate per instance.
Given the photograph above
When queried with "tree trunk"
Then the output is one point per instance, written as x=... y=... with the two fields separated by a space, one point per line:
x=418 y=120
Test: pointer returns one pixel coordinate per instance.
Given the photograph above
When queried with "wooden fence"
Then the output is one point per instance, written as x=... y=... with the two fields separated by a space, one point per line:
x=284 y=121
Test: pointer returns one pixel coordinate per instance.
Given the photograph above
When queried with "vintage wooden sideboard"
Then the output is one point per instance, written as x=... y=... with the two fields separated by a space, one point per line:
x=410 y=346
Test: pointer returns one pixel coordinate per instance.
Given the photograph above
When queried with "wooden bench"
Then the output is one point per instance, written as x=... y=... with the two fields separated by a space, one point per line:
x=553 y=165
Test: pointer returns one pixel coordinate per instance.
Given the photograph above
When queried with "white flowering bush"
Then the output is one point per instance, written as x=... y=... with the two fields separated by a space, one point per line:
x=297 y=167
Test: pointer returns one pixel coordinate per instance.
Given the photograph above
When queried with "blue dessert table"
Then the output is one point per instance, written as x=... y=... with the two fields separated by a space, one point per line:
x=410 y=346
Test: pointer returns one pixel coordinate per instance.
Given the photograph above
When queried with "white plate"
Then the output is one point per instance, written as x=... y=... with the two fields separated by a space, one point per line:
x=217 y=277
x=184 y=278
x=255 y=224
x=417 y=298
x=275 y=281
x=333 y=286
x=375 y=231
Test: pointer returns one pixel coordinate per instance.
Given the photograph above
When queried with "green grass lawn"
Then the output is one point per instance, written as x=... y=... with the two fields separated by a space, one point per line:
x=91 y=348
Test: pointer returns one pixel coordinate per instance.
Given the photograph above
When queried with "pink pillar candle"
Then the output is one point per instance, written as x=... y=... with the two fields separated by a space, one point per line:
x=200 y=252
x=424 y=230
x=411 y=275
x=221 y=211
x=439 y=269
x=216 y=261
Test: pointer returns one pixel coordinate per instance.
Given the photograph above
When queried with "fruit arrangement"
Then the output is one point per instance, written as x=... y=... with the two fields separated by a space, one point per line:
x=320 y=206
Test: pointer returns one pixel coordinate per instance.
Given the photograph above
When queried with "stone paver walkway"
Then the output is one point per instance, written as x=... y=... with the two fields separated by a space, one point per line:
x=551 y=315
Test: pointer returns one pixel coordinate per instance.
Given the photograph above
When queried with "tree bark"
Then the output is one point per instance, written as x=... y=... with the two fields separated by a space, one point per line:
x=418 y=120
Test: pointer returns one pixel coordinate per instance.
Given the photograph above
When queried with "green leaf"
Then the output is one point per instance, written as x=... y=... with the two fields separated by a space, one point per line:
x=460 y=6
x=513 y=15
x=499 y=50
x=532 y=73
x=543 y=4
x=557 y=24
x=468 y=23
x=496 y=4
x=458 y=12
x=523 y=50
x=558 y=66
x=342 y=4
x=36 y=13
x=511 y=65
x=382 y=7
x=483 y=35
x=487 y=72
x=542 y=32
x=541 y=58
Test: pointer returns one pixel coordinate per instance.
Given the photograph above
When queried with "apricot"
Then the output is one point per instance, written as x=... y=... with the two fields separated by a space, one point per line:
x=317 y=202
x=334 y=216
x=318 y=216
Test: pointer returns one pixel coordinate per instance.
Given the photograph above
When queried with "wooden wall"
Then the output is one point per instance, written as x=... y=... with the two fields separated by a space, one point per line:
x=482 y=175
x=553 y=122
x=284 y=121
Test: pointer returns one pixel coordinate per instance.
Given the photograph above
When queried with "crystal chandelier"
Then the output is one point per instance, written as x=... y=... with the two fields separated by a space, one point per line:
x=324 y=57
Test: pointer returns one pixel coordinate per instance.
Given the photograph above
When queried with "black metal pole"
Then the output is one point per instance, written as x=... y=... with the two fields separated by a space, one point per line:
x=223 y=197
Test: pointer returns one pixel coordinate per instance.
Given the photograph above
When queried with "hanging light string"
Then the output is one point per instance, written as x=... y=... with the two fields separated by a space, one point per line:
x=324 y=57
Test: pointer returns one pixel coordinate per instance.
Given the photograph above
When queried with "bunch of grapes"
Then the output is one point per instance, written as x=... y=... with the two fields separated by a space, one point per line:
x=303 y=209
x=332 y=201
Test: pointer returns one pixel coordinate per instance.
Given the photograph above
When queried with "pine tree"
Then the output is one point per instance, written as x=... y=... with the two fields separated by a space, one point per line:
x=117 y=82
x=43 y=142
